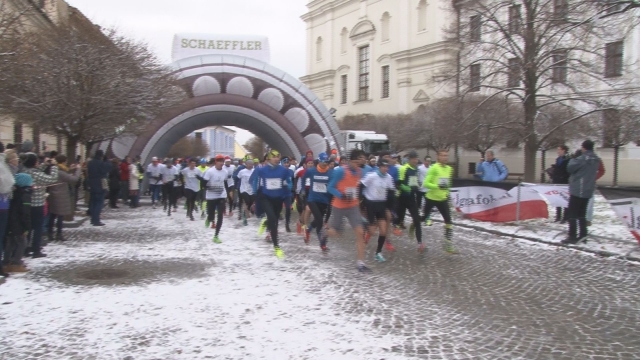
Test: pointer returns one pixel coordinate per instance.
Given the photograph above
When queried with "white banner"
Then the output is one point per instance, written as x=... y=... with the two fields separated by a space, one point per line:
x=498 y=205
x=253 y=46
x=629 y=211
x=556 y=196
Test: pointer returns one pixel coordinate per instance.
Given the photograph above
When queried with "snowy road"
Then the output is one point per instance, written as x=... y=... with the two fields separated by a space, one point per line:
x=163 y=290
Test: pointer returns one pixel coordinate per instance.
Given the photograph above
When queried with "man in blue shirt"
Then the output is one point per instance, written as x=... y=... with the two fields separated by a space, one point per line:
x=491 y=169
x=319 y=198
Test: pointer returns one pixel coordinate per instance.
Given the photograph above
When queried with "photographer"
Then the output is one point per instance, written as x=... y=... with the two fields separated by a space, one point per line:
x=559 y=175
x=583 y=169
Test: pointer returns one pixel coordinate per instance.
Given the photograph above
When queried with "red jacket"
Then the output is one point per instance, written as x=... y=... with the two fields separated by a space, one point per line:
x=600 y=172
x=124 y=171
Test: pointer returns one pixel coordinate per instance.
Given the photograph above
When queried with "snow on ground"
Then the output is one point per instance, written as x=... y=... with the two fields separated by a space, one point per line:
x=608 y=232
x=239 y=302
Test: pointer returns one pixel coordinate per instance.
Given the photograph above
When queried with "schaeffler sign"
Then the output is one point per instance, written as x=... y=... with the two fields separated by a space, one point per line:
x=188 y=45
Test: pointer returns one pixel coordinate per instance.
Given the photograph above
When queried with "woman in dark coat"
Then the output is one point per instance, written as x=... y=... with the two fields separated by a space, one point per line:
x=60 y=196
x=114 y=183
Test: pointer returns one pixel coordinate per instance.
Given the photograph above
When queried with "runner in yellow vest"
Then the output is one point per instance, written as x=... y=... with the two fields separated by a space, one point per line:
x=438 y=181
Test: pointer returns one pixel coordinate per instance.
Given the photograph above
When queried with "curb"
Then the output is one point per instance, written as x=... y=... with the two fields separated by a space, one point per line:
x=601 y=253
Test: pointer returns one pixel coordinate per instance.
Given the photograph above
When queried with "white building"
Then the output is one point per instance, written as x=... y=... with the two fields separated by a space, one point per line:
x=221 y=140
x=388 y=56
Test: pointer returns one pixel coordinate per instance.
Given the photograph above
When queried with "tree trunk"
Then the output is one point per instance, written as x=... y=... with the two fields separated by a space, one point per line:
x=72 y=143
x=456 y=170
x=616 y=157
x=543 y=166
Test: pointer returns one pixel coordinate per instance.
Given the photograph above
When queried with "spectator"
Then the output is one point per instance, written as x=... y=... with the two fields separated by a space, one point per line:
x=40 y=182
x=19 y=223
x=134 y=186
x=491 y=169
x=12 y=160
x=601 y=171
x=97 y=172
x=124 y=179
x=583 y=169
x=6 y=188
x=559 y=175
x=115 y=183
x=60 y=196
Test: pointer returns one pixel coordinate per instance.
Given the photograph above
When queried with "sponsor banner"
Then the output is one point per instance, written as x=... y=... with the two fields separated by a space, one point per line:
x=495 y=204
x=556 y=195
x=253 y=46
x=626 y=204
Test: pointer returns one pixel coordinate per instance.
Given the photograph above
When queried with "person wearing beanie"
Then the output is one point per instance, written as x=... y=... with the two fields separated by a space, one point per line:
x=41 y=181
x=583 y=171
x=19 y=222
x=27 y=146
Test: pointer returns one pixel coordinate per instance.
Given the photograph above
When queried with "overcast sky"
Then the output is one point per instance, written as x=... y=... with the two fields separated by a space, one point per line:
x=156 y=21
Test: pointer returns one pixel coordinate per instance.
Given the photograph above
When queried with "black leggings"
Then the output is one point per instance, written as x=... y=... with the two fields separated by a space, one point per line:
x=212 y=206
x=190 y=196
x=443 y=208
x=410 y=203
x=272 y=208
x=321 y=213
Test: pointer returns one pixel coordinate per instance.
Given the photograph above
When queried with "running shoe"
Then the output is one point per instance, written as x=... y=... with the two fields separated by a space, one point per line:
x=307 y=236
x=299 y=228
x=213 y=225
x=380 y=258
x=268 y=238
x=367 y=237
x=389 y=246
x=363 y=268
x=287 y=228
x=263 y=227
x=428 y=222
x=207 y=223
x=279 y=252
x=217 y=240
x=448 y=247
x=412 y=230
x=421 y=248
x=397 y=231
x=324 y=248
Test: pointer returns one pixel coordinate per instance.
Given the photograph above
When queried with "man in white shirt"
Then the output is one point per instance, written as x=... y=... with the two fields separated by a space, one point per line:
x=378 y=192
x=422 y=174
x=190 y=175
x=170 y=174
x=247 y=197
x=154 y=174
x=229 y=183
x=216 y=194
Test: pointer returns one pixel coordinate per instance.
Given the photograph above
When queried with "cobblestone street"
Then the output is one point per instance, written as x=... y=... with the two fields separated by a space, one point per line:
x=148 y=286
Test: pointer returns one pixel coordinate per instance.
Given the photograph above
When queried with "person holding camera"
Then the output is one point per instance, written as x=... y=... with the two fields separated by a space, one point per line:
x=582 y=169
x=559 y=175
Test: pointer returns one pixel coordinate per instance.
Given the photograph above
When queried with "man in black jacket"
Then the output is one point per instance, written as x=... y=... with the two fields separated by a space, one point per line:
x=559 y=175
x=97 y=170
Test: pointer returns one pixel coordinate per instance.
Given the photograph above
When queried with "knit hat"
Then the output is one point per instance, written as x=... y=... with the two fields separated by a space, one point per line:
x=23 y=180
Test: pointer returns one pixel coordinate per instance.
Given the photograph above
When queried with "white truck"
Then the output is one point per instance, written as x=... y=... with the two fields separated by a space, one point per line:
x=369 y=141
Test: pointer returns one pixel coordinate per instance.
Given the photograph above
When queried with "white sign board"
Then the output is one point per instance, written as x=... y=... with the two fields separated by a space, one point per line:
x=188 y=45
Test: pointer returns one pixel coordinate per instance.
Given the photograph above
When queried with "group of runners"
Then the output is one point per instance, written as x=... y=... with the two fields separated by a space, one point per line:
x=323 y=190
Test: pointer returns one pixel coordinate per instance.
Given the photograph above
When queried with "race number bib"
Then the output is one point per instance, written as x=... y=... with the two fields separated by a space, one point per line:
x=413 y=181
x=319 y=187
x=216 y=188
x=379 y=193
x=273 y=184
x=443 y=182
x=191 y=175
x=351 y=192
x=307 y=182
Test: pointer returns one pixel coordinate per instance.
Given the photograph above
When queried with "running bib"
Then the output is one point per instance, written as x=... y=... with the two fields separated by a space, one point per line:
x=273 y=184
x=379 y=193
x=351 y=192
x=307 y=182
x=413 y=181
x=443 y=182
x=319 y=187
x=191 y=175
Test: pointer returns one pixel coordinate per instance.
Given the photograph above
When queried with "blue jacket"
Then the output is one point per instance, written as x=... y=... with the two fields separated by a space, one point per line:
x=97 y=170
x=494 y=170
x=272 y=181
x=321 y=179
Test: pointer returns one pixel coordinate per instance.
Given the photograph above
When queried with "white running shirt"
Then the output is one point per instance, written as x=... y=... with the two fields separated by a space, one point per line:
x=215 y=183
x=245 y=185
x=376 y=186
x=191 y=181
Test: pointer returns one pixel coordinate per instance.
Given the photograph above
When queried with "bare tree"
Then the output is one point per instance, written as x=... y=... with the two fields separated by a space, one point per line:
x=256 y=147
x=617 y=128
x=86 y=85
x=540 y=54
x=437 y=125
x=189 y=147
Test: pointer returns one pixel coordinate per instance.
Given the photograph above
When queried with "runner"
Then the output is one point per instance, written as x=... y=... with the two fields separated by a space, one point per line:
x=422 y=174
x=438 y=181
x=247 y=197
x=343 y=185
x=216 y=194
x=200 y=199
x=241 y=166
x=230 y=183
x=154 y=173
x=191 y=186
x=272 y=184
x=302 y=190
x=378 y=193
x=318 y=198
x=408 y=199
x=170 y=175
x=288 y=200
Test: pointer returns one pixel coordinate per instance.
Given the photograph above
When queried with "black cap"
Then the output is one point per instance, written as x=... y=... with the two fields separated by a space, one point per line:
x=412 y=154
x=383 y=162
x=588 y=145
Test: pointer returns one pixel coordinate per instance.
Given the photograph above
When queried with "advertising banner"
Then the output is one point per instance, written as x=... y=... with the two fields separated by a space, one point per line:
x=253 y=46
x=556 y=196
x=626 y=204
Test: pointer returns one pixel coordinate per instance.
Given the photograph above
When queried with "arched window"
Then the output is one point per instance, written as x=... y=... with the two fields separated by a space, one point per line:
x=384 y=22
x=319 y=49
x=422 y=15
x=343 y=40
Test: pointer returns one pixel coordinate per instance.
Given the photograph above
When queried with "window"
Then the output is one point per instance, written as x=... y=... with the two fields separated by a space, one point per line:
x=559 y=58
x=474 y=83
x=471 y=168
x=385 y=81
x=613 y=59
x=363 y=73
x=319 y=49
x=610 y=127
x=514 y=73
x=475 y=30
x=386 y=19
x=560 y=9
x=343 y=89
x=422 y=15
x=343 y=40
x=515 y=19
x=59 y=143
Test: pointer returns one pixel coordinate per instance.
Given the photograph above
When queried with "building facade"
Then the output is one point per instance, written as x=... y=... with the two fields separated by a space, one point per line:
x=221 y=140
